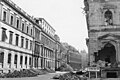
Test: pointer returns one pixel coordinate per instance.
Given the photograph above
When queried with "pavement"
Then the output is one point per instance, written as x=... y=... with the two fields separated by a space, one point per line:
x=48 y=76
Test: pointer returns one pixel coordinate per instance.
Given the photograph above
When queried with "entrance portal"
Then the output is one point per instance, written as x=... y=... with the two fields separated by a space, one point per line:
x=107 y=54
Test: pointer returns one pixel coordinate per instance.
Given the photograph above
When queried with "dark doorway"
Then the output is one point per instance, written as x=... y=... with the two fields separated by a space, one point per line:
x=107 y=54
x=111 y=75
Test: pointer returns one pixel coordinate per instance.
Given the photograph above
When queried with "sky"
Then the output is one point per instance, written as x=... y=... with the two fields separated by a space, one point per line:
x=65 y=16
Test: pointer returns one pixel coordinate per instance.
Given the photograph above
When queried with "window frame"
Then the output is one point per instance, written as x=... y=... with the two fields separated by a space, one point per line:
x=4 y=17
x=11 y=21
x=4 y=35
x=23 y=26
x=26 y=43
x=10 y=37
x=9 y=58
x=17 y=22
x=22 y=41
x=17 y=40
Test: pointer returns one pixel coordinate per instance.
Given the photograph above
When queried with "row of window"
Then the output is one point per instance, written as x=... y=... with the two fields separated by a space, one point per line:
x=47 y=53
x=17 y=22
x=15 y=59
x=43 y=63
x=17 y=39
x=47 y=41
x=47 y=28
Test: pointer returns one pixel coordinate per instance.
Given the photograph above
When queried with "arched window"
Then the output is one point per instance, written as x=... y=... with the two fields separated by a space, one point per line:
x=108 y=17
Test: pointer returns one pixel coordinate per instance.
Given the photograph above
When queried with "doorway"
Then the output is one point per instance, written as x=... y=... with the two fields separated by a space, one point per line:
x=107 y=54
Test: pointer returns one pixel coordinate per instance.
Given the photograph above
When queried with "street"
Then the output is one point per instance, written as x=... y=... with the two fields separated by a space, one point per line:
x=39 y=77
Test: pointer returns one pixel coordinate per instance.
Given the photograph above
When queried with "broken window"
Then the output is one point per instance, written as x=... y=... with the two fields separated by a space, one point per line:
x=108 y=17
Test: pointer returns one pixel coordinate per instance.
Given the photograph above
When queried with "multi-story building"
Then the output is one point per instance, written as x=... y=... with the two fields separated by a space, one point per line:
x=58 y=54
x=37 y=47
x=72 y=56
x=74 y=59
x=103 y=19
x=26 y=42
x=16 y=37
x=48 y=44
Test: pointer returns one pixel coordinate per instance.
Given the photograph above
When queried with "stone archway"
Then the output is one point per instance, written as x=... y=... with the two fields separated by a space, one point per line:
x=107 y=54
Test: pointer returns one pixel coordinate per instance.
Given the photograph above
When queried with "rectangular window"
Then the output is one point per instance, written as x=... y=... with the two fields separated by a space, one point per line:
x=9 y=58
x=26 y=60
x=11 y=20
x=15 y=59
x=30 y=61
x=21 y=60
x=17 y=25
x=17 y=39
x=31 y=31
x=4 y=15
x=1 y=57
x=4 y=35
x=27 y=29
x=22 y=41
x=26 y=43
x=30 y=45
x=23 y=25
x=11 y=37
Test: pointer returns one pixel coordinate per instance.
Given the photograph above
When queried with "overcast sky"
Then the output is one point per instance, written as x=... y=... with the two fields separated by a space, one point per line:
x=65 y=16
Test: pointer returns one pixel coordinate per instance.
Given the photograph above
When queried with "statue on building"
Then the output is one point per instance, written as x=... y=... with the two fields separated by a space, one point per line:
x=108 y=18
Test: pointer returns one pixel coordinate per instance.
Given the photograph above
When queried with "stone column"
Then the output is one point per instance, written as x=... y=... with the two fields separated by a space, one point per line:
x=12 y=59
x=1 y=5
x=5 y=61
x=28 y=57
x=18 y=61
x=118 y=54
x=8 y=16
x=23 y=63
x=14 y=20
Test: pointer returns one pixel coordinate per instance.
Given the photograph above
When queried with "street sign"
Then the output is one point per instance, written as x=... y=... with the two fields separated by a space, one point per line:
x=93 y=69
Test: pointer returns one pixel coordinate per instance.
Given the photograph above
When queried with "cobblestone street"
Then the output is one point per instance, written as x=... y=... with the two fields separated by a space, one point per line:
x=39 y=77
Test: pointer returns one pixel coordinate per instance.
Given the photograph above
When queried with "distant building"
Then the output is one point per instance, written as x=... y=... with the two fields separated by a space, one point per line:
x=72 y=56
x=75 y=60
x=84 y=58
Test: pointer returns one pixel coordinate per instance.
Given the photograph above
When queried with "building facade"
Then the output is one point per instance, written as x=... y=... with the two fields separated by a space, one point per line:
x=72 y=56
x=16 y=37
x=37 y=50
x=75 y=60
x=58 y=53
x=26 y=42
x=48 y=44
x=103 y=21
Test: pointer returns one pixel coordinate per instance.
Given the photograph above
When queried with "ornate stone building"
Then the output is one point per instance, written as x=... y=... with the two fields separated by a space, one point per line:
x=16 y=37
x=103 y=22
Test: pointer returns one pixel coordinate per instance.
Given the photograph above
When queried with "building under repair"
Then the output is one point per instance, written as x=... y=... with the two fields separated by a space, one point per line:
x=103 y=22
